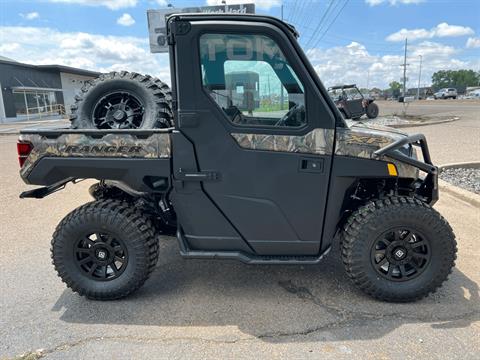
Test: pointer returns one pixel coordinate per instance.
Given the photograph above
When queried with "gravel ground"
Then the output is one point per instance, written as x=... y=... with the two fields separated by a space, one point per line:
x=468 y=179
x=387 y=121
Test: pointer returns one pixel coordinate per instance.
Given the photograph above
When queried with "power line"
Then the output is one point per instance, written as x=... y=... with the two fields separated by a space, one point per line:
x=298 y=12
x=329 y=26
x=319 y=24
x=291 y=14
x=309 y=19
x=385 y=48
x=327 y=18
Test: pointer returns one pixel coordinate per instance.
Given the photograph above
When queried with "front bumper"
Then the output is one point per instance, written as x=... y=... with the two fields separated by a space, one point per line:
x=426 y=188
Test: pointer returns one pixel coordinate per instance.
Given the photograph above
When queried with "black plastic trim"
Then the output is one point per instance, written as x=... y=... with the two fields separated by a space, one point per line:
x=62 y=131
x=247 y=258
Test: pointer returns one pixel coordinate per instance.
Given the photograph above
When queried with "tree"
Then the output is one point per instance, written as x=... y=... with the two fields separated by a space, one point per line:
x=395 y=87
x=459 y=79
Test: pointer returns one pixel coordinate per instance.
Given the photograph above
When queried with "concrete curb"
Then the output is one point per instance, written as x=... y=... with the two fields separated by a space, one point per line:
x=426 y=123
x=465 y=195
x=9 y=133
x=466 y=165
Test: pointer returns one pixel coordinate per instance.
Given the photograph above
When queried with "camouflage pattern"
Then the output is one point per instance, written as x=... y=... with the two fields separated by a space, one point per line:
x=318 y=141
x=156 y=145
x=356 y=141
x=362 y=141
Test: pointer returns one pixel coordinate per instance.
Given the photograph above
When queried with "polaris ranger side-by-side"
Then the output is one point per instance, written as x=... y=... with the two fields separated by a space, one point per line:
x=265 y=171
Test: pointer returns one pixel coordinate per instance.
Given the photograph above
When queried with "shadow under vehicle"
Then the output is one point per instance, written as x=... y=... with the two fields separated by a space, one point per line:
x=352 y=103
x=275 y=184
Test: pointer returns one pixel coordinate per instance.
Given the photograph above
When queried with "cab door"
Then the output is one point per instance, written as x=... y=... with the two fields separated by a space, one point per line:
x=261 y=133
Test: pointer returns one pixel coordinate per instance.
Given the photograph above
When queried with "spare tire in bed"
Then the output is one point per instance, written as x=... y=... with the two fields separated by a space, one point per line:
x=123 y=100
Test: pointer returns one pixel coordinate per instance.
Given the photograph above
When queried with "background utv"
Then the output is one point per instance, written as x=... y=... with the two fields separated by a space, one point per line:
x=233 y=177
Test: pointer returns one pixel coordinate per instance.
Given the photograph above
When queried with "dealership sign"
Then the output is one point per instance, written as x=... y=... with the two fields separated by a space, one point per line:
x=157 y=28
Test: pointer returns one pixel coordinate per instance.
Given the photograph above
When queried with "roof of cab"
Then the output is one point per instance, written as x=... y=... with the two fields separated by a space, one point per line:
x=238 y=17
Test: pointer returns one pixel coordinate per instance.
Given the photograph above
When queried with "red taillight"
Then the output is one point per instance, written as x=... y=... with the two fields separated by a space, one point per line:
x=23 y=150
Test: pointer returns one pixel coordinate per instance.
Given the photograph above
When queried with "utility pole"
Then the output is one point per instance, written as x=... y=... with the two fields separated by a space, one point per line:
x=405 y=70
x=368 y=79
x=419 y=78
x=281 y=85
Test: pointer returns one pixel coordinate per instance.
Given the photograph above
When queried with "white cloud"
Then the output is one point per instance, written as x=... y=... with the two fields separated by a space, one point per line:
x=428 y=48
x=340 y=64
x=446 y=30
x=9 y=47
x=126 y=20
x=352 y=63
x=441 y=30
x=84 y=50
x=393 y=2
x=111 y=4
x=473 y=43
x=261 y=4
x=30 y=16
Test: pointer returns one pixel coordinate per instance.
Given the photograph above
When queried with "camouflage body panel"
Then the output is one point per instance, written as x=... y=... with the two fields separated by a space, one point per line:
x=156 y=145
x=318 y=141
x=363 y=141
x=356 y=141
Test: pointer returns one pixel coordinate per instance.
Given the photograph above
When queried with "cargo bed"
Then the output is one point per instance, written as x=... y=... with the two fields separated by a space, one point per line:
x=138 y=158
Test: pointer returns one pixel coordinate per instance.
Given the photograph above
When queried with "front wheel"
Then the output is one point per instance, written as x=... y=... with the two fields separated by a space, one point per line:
x=372 y=110
x=104 y=250
x=398 y=249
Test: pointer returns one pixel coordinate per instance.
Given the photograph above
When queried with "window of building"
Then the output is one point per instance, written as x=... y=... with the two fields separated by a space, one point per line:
x=249 y=77
x=31 y=103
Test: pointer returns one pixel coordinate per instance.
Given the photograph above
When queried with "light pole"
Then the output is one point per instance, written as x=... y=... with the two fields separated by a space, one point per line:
x=405 y=71
x=419 y=77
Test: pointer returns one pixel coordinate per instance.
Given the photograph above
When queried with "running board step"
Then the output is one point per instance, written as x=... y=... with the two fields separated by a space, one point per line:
x=254 y=259
x=244 y=257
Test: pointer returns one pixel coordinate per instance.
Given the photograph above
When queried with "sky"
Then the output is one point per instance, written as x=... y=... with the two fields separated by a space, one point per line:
x=347 y=41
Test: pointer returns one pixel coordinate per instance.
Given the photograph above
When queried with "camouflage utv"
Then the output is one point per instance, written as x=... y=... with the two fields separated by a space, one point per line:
x=352 y=103
x=281 y=182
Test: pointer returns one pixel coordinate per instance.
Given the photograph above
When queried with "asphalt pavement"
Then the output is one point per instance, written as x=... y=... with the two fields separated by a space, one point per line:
x=456 y=141
x=225 y=309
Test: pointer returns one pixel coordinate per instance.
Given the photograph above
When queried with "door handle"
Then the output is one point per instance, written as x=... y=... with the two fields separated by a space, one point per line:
x=311 y=165
x=198 y=176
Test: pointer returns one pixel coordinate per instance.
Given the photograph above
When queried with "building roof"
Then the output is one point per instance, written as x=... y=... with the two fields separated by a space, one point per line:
x=59 y=68
x=4 y=58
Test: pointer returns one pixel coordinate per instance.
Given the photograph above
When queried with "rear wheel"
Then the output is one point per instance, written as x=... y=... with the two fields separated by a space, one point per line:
x=104 y=250
x=398 y=249
x=123 y=100
x=372 y=110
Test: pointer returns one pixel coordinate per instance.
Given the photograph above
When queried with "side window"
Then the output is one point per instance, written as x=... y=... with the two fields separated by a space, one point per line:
x=251 y=80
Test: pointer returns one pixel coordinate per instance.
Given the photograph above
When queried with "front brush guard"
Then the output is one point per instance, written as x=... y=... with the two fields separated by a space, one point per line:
x=427 y=187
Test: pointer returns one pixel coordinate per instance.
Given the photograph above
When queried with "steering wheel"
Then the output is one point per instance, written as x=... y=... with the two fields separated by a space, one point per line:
x=235 y=115
x=284 y=118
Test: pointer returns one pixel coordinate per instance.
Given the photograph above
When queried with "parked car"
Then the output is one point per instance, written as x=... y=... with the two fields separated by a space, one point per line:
x=475 y=94
x=445 y=94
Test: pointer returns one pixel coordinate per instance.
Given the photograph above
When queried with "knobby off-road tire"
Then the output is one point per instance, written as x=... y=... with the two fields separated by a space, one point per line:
x=123 y=100
x=372 y=110
x=432 y=244
x=126 y=237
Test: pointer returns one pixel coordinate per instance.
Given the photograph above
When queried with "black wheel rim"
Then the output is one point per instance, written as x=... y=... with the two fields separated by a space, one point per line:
x=118 y=110
x=101 y=256
x=400 y=254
